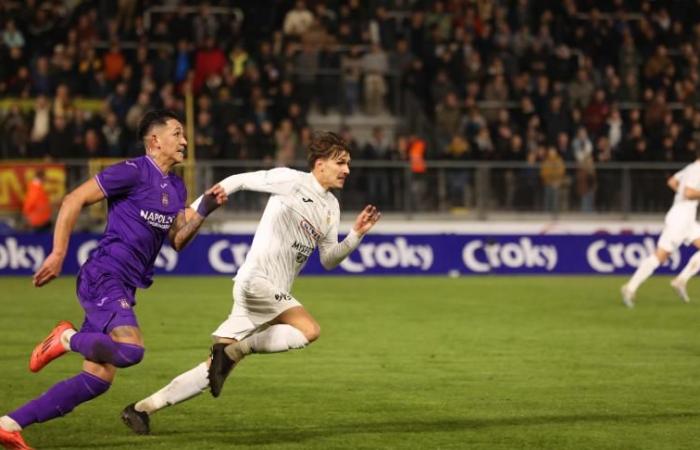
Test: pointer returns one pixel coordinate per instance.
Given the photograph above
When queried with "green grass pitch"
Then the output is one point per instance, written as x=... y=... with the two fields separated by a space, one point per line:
x=423 y=363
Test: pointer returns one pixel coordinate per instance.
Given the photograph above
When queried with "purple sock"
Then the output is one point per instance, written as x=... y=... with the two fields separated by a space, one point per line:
x=101 y=348
x=60 y=399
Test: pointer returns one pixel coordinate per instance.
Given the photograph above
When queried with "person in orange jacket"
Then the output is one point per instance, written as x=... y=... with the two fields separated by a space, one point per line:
x=37 y=207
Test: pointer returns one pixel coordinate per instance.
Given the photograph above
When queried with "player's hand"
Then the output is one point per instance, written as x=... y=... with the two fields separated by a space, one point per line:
x=366 y=219
x=50 y=269
x=212 y=199
x=219 y=194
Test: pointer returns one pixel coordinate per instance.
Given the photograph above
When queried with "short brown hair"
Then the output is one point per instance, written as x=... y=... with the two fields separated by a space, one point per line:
x=325 y=144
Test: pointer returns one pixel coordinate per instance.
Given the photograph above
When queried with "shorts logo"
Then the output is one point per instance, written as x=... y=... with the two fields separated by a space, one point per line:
x=282 y=297
x=124 y=304
x=309 y=229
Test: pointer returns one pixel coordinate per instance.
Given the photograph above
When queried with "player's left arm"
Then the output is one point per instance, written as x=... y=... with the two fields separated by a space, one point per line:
x=333 y=252
x=188 y=221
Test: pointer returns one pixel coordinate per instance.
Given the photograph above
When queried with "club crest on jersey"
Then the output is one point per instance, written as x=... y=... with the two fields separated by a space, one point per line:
x=309 y=229
x=164 y=199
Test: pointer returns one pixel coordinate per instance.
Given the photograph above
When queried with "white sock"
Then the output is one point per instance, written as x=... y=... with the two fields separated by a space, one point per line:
x=691 y=268
x=183 y=387
x=277 y=338
x=7 y=423
x=644 y=271
x=66 y=336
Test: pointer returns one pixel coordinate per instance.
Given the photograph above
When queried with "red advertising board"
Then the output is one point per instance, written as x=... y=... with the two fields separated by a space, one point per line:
x=14 y=177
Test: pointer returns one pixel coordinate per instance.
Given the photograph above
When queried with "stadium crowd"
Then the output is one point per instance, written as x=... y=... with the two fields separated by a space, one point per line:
x=576 y=81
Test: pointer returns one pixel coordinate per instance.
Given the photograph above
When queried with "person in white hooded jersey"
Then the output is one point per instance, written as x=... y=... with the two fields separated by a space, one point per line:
x=300 y=215
x=680 y=227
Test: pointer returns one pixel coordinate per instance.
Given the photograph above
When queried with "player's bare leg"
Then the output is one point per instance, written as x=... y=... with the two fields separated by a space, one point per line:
x=689 y=271
x=644 y=271
x=183 y=387
x=294 y=328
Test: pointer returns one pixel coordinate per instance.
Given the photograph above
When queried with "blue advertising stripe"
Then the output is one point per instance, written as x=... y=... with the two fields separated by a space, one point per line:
x=382 y=254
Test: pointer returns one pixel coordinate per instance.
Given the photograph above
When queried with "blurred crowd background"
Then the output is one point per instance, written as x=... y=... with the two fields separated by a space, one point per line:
x=561 y=87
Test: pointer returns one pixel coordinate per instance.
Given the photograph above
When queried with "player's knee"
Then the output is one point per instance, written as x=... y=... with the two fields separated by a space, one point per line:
x=128 y=355
x=312 y=332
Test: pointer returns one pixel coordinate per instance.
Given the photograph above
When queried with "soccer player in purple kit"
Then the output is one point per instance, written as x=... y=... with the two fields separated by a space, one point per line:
x=146 y=203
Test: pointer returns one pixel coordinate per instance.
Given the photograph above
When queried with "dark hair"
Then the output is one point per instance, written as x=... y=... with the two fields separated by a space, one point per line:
x=325 y=144
x=153 y=118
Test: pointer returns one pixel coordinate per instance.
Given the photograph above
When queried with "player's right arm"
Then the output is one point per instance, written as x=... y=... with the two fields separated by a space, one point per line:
x=273 y=181
x=85 y=194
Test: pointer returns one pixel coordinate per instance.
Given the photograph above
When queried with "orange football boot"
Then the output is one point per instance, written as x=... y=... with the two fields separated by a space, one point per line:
x=50 y=348
x=12 y=440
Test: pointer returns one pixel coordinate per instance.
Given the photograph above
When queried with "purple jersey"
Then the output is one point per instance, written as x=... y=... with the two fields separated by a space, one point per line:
x=142 y=205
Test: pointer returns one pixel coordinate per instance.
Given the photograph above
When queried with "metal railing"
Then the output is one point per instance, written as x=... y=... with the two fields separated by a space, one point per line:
x=470 y=190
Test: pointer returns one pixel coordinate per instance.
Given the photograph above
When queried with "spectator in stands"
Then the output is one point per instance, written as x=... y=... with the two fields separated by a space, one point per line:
x=41 y=123
x=297 y=20
x=114 y=137
x=205 y=137
x=378 y=148
x=114 y=62
x=14 y=129
x=595 y=114
x=552 y=173
x=12 y=37
x=210 y=60
x=92 y=146
x=448 y=118
x=582 y=146
x=205 y=26
x=581 y=89
x=36 y=206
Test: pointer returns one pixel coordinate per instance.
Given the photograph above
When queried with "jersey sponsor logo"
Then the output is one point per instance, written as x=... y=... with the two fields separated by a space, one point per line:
x=303 y=252
x=306 y=200
x=157 y=220
x=309 y=229
x=389 y=255
x=606 y=257
x=481 y=256
x=16 y=256
x=305 y=249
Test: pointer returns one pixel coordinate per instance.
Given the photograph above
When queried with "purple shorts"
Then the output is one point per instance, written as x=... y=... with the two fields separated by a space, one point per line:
x=107 y=301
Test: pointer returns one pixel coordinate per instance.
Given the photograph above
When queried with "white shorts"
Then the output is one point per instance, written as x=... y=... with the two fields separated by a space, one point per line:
x=255 y=303
x=675 y=234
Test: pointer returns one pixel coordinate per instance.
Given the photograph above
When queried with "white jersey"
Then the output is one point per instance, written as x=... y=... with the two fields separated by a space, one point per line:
x=299 y=215
x=685 y=210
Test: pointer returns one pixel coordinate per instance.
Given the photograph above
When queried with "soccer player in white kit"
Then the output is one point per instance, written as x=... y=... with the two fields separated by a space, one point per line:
x=300 y=215
x=680 y=227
